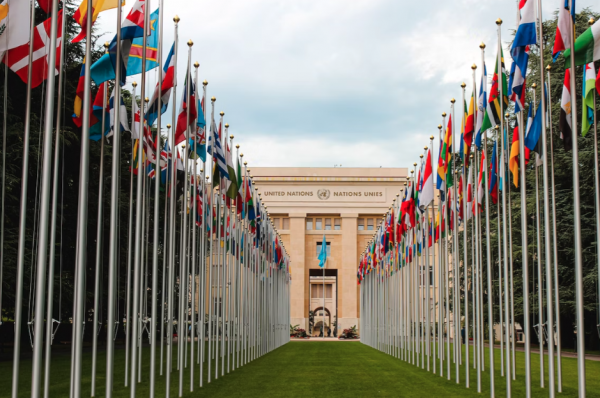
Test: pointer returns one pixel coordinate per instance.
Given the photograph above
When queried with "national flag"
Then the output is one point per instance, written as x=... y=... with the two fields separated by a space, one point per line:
x=427 y=190
x=445 y=164
x=18 y=60
x=78 y=106
x=587 y=47
x=565 y=112
x=460 y=198
x=45 y=5
x=470 y=197
x=183 y=122
x=15 y=17
x=494 y=174
x=216 y=151
x=513 y=162
x=131 y=28
x=439 y=180
x=481 y=180
x=481 y=106
x=124 y=122
x=469 y=129
x=587 y=112
x=231 y=182
x=169 y=81
x=493 y=112
x=562 y=39
x=463 y=124
x=81 y=15
x=534 y=130
x=524 y=37
x=598 y=82
x=136 y=53
x=100 y=111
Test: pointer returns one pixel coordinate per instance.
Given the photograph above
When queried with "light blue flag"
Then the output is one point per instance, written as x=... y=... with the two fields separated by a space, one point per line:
x=323 y=254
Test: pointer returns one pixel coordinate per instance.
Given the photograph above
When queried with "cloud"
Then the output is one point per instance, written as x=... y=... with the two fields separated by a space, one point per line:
x=359 y=83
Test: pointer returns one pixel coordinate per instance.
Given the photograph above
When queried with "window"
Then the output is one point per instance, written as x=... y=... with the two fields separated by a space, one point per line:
x=309 y=224
x=317 y=292
x=285 y=223
x=276 y=223
x=361 y=224
x=370 y=224
x=320 y=244
x=318 y=224
x=328 y=224
x=337 y=224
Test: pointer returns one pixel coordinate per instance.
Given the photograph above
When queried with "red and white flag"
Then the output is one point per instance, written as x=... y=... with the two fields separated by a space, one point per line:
x=426 y=196
x=470 y=195
x=15 y=18
x=18 y=58
x=481 y=182
x=562 y=39
x=565 y=118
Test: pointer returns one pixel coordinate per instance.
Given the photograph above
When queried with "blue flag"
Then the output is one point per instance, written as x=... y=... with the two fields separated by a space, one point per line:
x=323 y=254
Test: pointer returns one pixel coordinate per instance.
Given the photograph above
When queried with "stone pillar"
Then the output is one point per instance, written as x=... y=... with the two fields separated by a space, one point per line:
x=297 y=242
x=348 y=313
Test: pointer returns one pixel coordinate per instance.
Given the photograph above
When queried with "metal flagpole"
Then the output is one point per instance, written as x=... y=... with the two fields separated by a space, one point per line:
x=577 y=224
x=477 y=275
x=45 y=205
x=555 y=248
x=465 y=266
x=99 y=243
x=474 y=227
x=525 y=259
x=157 y=178
x=214 y=205
x=503 y=185
x=455 y=270
x=22 y=221
x=51 y=258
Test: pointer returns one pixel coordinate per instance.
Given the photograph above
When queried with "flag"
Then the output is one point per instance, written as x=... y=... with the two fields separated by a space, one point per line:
x=183 y=123
x=494 y=174
x=440 y=181
x=598 y=82
x=481 y=180
x=124 y=122
x=493 y=112
x=565 y=112
x=587 y=47
x=587 y=112
x=134 y=65
x=562 y=39
x=445 y=164
x=15 y=20
x=231 y=182
x=481 y=105
x=427 y=190
x=534 y=130
x=169 y=81
x=463 y=124
x=78 y=106
x=131 y=28
x=513 y=162
x=215 y=149
x=81 y=16
x=469 y=129
x=99 y=111
x=524 y=37
x=18 y=60
x=470 y=197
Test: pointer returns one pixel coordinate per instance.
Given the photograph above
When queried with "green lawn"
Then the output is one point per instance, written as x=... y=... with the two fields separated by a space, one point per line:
x=304 y=369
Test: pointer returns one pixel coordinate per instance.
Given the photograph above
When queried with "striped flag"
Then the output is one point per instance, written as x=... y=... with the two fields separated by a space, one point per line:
x=215 y=148
x=493 y=112
x=81 y=16
x=565 y=118
x=524 y=37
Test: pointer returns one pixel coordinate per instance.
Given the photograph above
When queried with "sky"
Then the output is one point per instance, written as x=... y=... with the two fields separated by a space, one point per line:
x=319 y=83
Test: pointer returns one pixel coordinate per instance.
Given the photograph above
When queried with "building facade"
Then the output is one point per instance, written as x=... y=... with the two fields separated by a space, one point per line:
x=343 y=204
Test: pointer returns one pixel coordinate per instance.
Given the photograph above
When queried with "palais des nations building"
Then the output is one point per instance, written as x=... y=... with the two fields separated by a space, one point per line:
x=345 y=204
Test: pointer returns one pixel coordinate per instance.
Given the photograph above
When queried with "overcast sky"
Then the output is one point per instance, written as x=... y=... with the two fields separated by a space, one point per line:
x=360 y=83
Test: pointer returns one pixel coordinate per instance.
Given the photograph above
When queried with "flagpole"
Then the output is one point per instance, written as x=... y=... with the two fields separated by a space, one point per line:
x=555 y=248
x=465 y=266
x=512 y=295
x=114 y=235
x=474 y=222
x=210 y=277
x=51 y=257
x=23 y=220
x=503 y=185
x=99 y=241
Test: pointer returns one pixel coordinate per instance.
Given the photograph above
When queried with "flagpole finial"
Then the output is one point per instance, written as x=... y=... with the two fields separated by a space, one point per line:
x=534 y=86
x=404 y=183
x=222 y=113
x=213 y=99
x=591 y=21
x=190 y=43
x=548 y=68
x=176 y=19
x=425 y=147
x=201 y=170
x=196 y=65
x=452 y=101
x=439 y=126
x=431 y=137
x=134 y=84
x=463 y=85
x=206 y=178
x=106 y=45
x=496 y=127
x=506 y=115
x=238 y=146
x=421 y=156
x=473 y=66
x=226 y=125
x=231 y=136
x=146 y=100
x=245 y=163
x=397 y=194
x=498 y=22
x=443 y=114
x=482 y=45
x=168 y=126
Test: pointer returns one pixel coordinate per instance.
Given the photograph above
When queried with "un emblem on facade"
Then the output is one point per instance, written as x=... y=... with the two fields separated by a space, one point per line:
x=323 y=194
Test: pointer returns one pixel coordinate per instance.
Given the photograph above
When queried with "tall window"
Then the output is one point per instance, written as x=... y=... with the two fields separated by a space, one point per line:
x=328 y=224
x=361 y=224
x=276 y=223
x=320 y=244
x=370 y=224
x=337 y=224
x=318 y=224
x=309 y=224
x=285 y=223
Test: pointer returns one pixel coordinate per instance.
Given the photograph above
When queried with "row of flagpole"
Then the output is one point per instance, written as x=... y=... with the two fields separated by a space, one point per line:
x=225 y=289
x=410 y=272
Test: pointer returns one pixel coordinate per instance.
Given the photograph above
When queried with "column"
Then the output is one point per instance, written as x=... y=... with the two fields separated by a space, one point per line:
x=348 y=306
x=297 y=242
